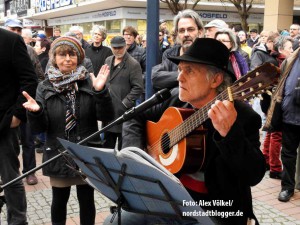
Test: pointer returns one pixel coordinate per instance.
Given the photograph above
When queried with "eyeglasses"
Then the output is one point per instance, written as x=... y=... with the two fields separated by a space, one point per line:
x=64 y=55
x=189 y=30
x=221 y=40
x=127 y=35
x=293 y=29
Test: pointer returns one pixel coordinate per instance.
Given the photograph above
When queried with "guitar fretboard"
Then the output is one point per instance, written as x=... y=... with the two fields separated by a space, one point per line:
x=194 y=121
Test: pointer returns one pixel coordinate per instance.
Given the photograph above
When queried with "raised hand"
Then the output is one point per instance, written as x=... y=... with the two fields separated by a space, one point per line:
x=223 y=116
x=100 y=80
x=31 y=105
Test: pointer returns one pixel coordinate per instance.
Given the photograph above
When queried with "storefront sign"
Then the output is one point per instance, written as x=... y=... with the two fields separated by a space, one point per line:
x=141 y=13
x=32 y=23
x=44 y=5
x=111 y=14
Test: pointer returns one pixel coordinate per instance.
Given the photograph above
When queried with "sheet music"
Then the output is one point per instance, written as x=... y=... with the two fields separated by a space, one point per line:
x=139 y=190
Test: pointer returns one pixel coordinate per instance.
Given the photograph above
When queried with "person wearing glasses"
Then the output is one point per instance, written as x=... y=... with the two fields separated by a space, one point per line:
x=294 y=33
x=237 y=63
x=188 y=26
x=135 y=51
x=67 y=105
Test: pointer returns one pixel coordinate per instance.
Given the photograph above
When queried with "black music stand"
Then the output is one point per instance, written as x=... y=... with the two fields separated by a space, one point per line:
x=134 y=181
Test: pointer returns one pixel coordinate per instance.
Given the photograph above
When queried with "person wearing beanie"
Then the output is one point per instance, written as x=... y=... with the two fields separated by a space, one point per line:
x=68 y=105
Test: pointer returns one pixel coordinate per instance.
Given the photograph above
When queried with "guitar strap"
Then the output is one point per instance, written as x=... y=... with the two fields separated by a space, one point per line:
x=195 y=182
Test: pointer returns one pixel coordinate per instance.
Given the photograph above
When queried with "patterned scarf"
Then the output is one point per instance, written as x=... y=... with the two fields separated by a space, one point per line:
x=70 y=112
x=66 y=82
x=235 y=66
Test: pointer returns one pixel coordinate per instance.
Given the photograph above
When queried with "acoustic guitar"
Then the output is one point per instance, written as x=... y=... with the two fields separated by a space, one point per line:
x=177 y=140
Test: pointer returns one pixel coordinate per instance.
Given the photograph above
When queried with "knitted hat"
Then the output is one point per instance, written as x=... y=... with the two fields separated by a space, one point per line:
x=72 y=42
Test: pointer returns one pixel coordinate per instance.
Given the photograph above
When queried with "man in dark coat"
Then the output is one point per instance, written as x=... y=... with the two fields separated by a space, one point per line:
x=125 y=83
x=188 y=26
x=27 y=137
x=17 y=75
x=233 y=161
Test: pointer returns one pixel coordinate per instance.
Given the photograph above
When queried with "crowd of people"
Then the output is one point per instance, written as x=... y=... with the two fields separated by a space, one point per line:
x=60 y=86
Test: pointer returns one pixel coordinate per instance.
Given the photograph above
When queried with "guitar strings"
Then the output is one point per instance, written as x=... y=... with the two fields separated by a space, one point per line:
x=192 y=122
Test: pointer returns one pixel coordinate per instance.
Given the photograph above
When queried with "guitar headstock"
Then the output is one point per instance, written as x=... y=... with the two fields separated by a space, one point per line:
x=255 y=82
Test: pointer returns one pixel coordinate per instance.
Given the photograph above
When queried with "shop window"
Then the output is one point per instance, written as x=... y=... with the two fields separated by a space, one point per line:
x=114 y=26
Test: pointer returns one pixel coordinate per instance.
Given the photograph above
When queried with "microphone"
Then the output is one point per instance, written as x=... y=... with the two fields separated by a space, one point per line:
x=159 y=97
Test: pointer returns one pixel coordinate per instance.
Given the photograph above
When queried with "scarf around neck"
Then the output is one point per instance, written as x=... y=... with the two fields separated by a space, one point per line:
x=66 y=82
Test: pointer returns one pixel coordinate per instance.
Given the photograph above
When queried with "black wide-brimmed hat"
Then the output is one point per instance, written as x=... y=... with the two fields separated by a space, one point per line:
x=206 y=51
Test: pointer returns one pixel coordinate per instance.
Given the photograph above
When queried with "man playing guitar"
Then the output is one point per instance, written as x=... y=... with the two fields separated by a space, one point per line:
x=233 y=161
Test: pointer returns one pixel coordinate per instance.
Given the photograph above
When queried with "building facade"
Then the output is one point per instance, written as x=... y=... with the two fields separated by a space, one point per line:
x=114 y=15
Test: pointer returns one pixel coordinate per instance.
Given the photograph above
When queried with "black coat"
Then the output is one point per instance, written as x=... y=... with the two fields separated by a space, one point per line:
x=164 y=75
x=90 y=106
x=17 y=74
x=97 y=55
x=125 y=83
x=232 y=164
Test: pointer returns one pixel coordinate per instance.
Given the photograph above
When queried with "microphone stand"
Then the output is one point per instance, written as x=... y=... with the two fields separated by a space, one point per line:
x=117 y=121
x=155 y=99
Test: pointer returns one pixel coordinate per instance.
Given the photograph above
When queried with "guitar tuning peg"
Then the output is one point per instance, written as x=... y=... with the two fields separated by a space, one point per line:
x=262 y=91
x=257 y=73
x=249 y=78
x=251 y=101
x=240 y=83
x=260 y=97
x=259 y=84
x=269 y=92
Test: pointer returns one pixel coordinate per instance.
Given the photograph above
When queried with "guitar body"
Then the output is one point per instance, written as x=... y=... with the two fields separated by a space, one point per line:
x=185 y=156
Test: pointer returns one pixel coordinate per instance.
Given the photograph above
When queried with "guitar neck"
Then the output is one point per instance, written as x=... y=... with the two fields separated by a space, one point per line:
x=194 y=121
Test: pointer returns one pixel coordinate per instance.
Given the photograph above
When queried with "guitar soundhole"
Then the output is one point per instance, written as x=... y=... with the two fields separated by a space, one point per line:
x=165 y=143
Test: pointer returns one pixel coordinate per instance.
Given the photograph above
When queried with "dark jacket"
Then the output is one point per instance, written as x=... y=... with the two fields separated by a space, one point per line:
x=97 y=55
x=139 y=54
x=261 y=55
x=36 y=63
x=44 y=58
x=17 y=74
x=125 y=84
x=251 y=42
x=232 y=164
x=90 y=106
x=84 y=44
x=274 y=117
x=164 y=75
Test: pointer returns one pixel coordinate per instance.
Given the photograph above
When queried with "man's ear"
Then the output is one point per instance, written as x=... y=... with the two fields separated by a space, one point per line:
x=201 y=33
x=217 y=80
x=43 y=49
